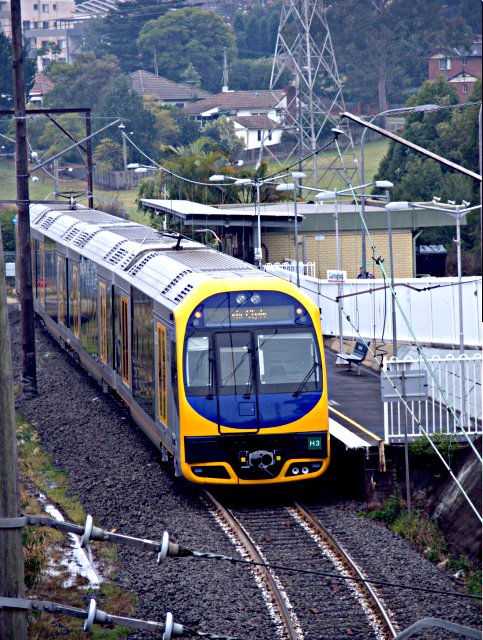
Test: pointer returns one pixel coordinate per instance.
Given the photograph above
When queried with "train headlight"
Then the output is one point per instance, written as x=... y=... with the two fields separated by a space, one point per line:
x=256 y=298
x=241 y=298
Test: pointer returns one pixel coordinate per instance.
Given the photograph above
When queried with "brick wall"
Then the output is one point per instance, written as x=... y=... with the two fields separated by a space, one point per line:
x=323 y=251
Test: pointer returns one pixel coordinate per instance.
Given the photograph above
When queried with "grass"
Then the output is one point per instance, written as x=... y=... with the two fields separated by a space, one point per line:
x=44 y=189
x=424 y=535
x=44 y=548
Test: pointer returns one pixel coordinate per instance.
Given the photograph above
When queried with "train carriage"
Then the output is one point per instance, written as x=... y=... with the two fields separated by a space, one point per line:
x=220 y=363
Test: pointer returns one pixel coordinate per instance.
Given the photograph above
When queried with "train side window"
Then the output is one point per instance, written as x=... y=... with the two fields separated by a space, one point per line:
x=125 y=340
x=61 y=288
x=103 y=322
x=41 y=275
x=162 y=378
x=76 y=299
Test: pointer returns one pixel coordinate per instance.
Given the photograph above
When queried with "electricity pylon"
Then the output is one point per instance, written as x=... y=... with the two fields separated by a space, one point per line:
x=304 y=50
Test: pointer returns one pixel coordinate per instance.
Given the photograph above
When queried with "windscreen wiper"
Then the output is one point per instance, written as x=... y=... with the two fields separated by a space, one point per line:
x=305 y=380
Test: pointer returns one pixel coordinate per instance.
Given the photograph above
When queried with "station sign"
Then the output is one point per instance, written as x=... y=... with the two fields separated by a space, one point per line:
x=333 y=275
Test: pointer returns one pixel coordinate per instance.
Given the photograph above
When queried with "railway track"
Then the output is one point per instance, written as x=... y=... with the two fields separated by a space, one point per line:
x=308 y=585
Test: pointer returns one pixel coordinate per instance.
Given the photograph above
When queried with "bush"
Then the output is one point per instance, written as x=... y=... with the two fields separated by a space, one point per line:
x=8 y=228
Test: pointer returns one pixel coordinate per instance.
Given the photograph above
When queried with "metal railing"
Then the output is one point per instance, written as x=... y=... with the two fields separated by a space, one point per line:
x=460 y=378
x=290 y=266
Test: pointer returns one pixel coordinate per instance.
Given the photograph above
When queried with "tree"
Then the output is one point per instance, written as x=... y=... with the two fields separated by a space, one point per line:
x=189 y=35
x=118 y=30
x=175 y=128
x=82 y=83
x=222 y=131
x=382 y=45
x=6 y=75
x=451 y=133
x=119 y=100
x=108 y=155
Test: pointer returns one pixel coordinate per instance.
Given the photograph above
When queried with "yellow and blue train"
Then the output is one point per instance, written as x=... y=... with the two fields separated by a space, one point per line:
x=220 y=363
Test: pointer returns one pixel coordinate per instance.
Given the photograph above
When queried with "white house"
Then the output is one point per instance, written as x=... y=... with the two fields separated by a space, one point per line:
x=257 y=115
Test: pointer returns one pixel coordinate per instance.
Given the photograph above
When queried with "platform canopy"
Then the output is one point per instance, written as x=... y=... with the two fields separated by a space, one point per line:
x=193 y=213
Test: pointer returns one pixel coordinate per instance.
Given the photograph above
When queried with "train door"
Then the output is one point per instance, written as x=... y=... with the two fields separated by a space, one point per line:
x=62 y=290
x=74 y=298
x=161 y=373
x=236 y=383
x=103 y=321
x=122 y=336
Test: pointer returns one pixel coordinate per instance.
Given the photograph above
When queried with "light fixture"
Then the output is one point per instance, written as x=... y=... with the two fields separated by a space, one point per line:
x=218 y=177
x=133 y=165
x=337 y=132
x=383 y=184
x=289 y=186
x=402 y=205
x=326 y=195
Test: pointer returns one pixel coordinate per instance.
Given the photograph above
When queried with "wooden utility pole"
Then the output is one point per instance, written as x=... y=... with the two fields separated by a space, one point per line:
x=24 y=262
x=13 y=624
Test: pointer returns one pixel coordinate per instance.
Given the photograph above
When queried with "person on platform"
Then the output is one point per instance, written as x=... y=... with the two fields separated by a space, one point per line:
x=365 y=275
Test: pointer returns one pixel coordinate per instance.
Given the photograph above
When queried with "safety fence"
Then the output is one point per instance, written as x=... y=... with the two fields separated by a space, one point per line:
x=430 y=305
x=450 y=402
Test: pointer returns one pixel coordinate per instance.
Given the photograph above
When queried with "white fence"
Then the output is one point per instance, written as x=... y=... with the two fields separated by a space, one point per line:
x=457 y=407
x=429 y=304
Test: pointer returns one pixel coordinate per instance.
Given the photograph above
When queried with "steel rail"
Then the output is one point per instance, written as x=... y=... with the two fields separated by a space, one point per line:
x=254 y=555
x=376 y=603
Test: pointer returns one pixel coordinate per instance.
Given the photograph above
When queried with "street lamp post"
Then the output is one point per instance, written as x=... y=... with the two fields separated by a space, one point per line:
x=122 y=126
x=289 y=187
x=417 y=108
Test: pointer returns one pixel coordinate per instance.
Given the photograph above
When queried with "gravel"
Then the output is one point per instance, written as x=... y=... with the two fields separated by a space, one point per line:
x=120 y=480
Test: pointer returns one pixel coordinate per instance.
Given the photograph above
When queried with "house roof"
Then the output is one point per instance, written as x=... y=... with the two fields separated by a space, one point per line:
x=229 y=100
x=41 y=85
x=474 y=50
x=256 y=122
x=149 y=84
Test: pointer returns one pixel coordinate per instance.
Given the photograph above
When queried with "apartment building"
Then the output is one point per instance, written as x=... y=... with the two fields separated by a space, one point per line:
x=50 y=27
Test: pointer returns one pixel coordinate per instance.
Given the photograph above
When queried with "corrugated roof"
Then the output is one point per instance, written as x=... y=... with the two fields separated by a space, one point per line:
x=149 y=84
x=237 y=100
x=95 y=7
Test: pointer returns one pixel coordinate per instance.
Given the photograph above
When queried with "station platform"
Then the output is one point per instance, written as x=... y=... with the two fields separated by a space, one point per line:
x=356 y=411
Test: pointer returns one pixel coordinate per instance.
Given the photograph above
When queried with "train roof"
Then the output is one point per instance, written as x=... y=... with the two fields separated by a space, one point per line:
x=158 y=263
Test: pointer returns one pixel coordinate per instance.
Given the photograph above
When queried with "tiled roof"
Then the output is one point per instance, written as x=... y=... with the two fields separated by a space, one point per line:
x=232 y=100
x=41 y=85
x=149 y=84
x=256 y=122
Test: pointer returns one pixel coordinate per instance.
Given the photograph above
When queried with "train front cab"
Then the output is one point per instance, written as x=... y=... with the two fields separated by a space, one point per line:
x=253 y=398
